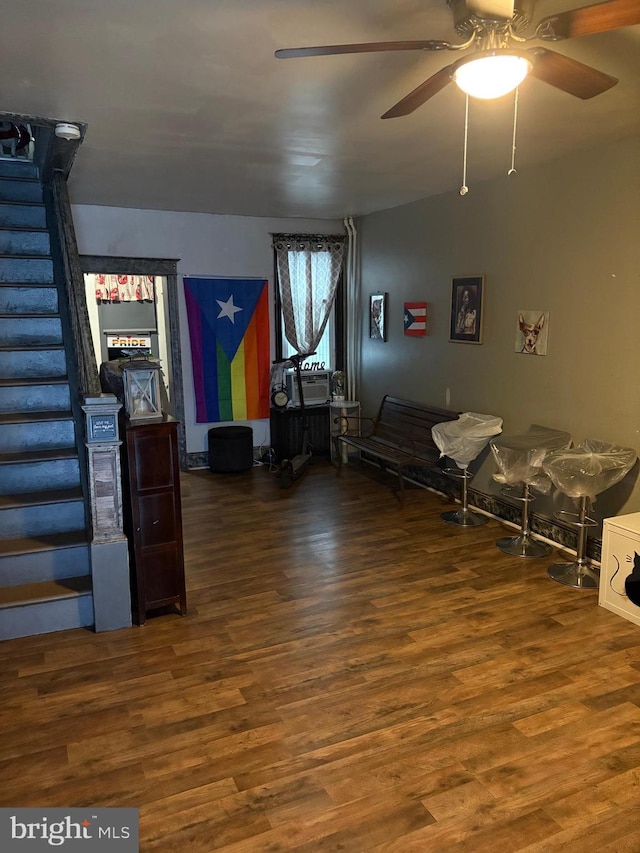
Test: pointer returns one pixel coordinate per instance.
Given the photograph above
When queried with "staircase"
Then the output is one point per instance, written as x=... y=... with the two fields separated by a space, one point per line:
x=45 y=582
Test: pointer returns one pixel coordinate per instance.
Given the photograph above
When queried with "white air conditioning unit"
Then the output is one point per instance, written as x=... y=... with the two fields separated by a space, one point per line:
x=316 y=387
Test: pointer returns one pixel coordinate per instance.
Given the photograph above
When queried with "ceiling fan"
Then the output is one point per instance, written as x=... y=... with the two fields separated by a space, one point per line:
x=493 y=28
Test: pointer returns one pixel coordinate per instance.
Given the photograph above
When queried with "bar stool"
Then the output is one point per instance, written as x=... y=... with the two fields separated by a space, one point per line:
x=519 y=458
x=463 y=440
x=582 y=473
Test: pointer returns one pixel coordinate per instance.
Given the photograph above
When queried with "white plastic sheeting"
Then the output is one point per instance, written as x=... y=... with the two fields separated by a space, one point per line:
x=519 y=457
x=589 y=469
x=463 y=439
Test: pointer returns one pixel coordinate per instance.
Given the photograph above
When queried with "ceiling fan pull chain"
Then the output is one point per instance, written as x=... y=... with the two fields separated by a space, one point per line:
x=513 y=170
x=464 y=189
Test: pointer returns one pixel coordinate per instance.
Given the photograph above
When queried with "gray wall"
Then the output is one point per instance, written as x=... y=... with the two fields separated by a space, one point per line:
x=205 y=245
x=563 y=238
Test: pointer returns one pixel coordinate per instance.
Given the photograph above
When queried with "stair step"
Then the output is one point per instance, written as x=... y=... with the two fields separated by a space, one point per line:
x=14 y=269
x=25 y=472
x=49 y=454
x=20 y=189
x=14 y=596
x=58 y=555
x=51 y=395
x=37 y=434
x=17 y=300
x=32 y=362
x=24 y=330
x=21 y=241
x=11 y=167
x=35 y=520
x=43 y=544
x=45 y=607
x=24 y=215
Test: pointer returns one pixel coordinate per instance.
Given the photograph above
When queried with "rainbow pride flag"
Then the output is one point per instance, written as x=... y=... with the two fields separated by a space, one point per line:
x=230 y=351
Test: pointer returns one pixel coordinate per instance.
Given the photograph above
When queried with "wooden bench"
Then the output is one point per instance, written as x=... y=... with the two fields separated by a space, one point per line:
x=399 y=436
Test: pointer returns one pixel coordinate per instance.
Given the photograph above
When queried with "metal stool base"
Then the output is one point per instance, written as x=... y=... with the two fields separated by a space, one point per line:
x=523 y=546
x=464 y=518
x=575 y=575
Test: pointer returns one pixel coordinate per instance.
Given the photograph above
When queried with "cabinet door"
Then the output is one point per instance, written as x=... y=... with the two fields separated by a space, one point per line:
x=156 y=518
x=163 y=576
x=158 y=563
x=620 y=553
x=153 y=462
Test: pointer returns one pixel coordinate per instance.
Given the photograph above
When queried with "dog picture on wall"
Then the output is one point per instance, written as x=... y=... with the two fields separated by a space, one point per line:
x=532 y=332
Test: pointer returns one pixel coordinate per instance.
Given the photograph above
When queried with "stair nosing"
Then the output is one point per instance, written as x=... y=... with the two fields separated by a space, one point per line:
x=14 y=256
x=44 y=416
x=22 y=203
x=45 y=542
x=33 y=381
x=51 y=454
x=34 y=316
x=58 y=496
x=28 y=284
x=20 y=177
x=33 y=347
x=37 y=229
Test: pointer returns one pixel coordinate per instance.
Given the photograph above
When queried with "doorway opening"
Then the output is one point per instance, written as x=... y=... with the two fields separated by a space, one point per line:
x=133 y=309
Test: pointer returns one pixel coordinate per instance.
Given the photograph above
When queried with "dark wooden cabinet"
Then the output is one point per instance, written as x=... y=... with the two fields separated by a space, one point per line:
x=153 y=515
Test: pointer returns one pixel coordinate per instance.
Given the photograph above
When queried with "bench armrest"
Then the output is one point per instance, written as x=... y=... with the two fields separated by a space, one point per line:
x=345 y=422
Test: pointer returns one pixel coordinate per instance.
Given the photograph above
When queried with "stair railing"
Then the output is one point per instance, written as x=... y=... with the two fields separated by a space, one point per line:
x=81 y=344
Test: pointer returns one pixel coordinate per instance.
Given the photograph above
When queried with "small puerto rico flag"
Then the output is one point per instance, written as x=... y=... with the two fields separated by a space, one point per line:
x=415 y=319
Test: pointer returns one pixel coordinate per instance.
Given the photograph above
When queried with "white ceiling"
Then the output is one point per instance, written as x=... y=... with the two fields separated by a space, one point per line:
x=187 y=108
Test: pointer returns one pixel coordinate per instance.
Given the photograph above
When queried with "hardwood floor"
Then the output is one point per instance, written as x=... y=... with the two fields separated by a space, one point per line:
x=350 y=677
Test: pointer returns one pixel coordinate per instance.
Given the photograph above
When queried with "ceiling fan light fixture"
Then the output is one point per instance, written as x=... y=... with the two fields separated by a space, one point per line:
x=493 y=75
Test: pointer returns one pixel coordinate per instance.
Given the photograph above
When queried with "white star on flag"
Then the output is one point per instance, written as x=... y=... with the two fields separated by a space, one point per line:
x=228 y=309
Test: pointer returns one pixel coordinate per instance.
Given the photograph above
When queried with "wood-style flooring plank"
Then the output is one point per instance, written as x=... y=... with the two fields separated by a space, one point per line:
x=351 y=676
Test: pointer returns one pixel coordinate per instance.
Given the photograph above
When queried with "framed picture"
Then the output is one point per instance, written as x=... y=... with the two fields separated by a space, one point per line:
x=415 y=319
x=378 y=316
x=466 y=309
x=532 y=332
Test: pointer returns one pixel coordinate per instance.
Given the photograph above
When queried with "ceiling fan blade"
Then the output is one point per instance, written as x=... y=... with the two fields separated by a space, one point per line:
x=369 y=47
x=569 y=75
x=590 y=19
x=421 y=94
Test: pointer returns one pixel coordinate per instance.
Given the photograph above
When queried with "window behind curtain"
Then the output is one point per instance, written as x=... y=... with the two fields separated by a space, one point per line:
x=329 y=350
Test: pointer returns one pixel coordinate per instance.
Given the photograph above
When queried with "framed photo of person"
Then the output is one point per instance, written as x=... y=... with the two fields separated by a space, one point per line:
x=466 y=309
x=378 y=316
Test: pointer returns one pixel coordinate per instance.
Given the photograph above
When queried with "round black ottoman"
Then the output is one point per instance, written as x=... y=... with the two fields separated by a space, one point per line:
x=230 y=449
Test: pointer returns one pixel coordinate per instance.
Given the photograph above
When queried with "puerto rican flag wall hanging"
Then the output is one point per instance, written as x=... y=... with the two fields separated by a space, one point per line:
x=415 y=319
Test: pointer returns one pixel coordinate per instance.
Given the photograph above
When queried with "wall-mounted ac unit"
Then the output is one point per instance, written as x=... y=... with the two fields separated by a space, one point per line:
x=316 y=387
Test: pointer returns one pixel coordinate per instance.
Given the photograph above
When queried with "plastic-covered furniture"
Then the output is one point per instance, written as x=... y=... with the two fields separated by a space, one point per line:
x=582 y=473
x=519 y=458
x=463 y=440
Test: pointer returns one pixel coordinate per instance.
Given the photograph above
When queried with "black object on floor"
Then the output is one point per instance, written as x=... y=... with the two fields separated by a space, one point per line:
x=230 y=449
